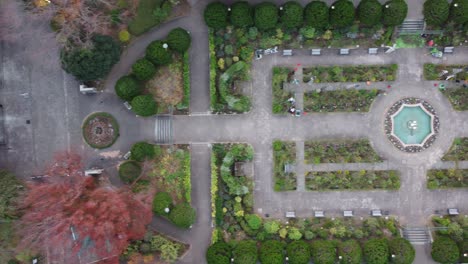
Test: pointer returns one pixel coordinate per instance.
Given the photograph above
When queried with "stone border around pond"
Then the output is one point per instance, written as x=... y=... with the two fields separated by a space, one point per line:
x=388 y=125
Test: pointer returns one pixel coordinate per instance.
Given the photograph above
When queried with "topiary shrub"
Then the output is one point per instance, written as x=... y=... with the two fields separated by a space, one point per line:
x=129 y=171
x=323 y=252
x=403 y=251
x=316 y=15
x=241 y=14
x=127 y=88
x=351 y=252
x=298 y=252
x=144 y=105
x=394 y=12
x=436 y=12
x=183 y=215
x=124 y=36
x=179 y=40
x=266 y=16
x=444 y=250
x=342 y=13
x=157 y=54
x=254 y=221
x=143 y=69
x=161 y=201
x=245 y=252
x=272 y=227
x=142 y=150
x=216 y=15
x=219 y=253
x=292 y=15
x=459 y=11
x=376 y=251
x=369 y=12
x=239 y=103
x=272 y=252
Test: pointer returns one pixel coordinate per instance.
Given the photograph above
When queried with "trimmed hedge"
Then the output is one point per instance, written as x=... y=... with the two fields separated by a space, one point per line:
x=376 y=251
x=129 y=171
x=342 y=13
x=323 y=251
x=266 y=16
x=403 y=251
x=161 y=201
x=219 y=253
x=459 y=14
x=292 y=15
x=240 y=103
x=369 y=12
x=254 y=221
x=316 y=14
x=142 y=150
x=179 y=40
x=127 y=88
x=394 y=12
x=245 y=252
x=157 y=54
x=143 y=69
x=272 y=252
x=216 y=15
x=436 y=12
x=144 y=105
x=444 y=250
x=298 y=252
x=351 y=252
x=182 y=215
x=241 y=14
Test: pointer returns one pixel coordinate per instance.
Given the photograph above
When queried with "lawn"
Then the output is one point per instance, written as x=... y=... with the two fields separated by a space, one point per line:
x=350 y=100
x=340 y=151
x=358 y=73
x=280 y=97
x=458 y=150
x=452 y=178
x=352 y=180
x=284 y=153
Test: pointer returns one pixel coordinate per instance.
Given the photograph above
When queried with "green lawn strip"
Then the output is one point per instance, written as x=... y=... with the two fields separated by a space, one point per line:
x=352 y=180
x=434 y=71
x=350 y=100
x=451 y=178
x=458 y=151
x=280 y=96
x=357 y=73
x=284 y=153
x=340 y=151
x=458 y=97
x=185 y=103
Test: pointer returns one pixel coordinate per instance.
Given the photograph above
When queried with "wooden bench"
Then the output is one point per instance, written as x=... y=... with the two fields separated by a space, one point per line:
x=373 y=51
x=315 y=52
x=344 y=51
x=348 y=213
x=287 y=53
x=448 y=50
x=319 y=214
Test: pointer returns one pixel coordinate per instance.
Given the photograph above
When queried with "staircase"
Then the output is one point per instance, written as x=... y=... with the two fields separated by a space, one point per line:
x=163 y=129
x=417 y=235
x=412 y=26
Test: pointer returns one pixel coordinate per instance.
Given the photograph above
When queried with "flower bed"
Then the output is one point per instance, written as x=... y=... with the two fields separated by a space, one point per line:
x=350 y=100
x=458 y=97
x=281 y=75
x=458 y=151
x=435 y=72
x=340 y=151
x=284 y=154
x=352 y=180
x=100 y=130
x=452 y=243
x=451 y=178
x=355 y=73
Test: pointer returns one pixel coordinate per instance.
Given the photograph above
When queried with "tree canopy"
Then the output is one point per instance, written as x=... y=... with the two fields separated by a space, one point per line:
x=369 y=12
x=292 y=15
x=266 y=16
x=394 y=12
x=241 y=14
x=316 y=14
x=342 y=13
x=216 y=15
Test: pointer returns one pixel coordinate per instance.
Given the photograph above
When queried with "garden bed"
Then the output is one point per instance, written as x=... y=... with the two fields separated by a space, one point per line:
x=358 y=73
x=352 y=180
x=100 y=130
x=458 y=97
x=451 y=178
x=350 y=100
x=435 y=72
x=281 y=75
x=284 y=155
x=340 y=151
x=451 y=230
x=458 y=151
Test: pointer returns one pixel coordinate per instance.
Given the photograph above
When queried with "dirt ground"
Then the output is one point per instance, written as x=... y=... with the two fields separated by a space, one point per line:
x=167 y=85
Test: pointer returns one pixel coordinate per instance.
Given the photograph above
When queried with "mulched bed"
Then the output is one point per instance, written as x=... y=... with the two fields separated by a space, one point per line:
x=100 y=130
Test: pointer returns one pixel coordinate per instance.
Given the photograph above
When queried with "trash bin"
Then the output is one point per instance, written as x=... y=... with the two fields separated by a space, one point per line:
x=298 y=113
x=442 y=86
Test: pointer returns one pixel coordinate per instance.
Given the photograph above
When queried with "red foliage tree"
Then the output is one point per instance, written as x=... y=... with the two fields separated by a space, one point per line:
x=72 y=219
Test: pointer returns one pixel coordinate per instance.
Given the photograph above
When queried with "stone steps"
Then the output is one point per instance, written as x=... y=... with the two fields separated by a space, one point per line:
x=163 y=129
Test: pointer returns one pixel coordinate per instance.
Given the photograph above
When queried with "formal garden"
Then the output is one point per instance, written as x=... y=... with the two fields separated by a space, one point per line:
x=458 y=151
x=163 y=174
x=340 y=151
x=352 y=180
x=284 y=160
x=447 y=178
x=450 y=239
x=350 y=73
x=159 y=83
x=351 y=100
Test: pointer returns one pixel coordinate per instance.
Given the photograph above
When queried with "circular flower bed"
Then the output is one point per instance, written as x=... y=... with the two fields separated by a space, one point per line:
x=388 y=125
x=100 y=130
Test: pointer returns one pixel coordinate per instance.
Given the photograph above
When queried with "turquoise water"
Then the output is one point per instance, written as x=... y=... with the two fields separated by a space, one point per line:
x=400 y=125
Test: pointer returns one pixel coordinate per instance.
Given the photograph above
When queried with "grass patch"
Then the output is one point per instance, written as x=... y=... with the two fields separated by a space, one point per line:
x=350 y=100
x=145 y=18
x=410 y=41
x=284 y=153
x=435 y=72
x=340 y=151
x=100 y=130
x=358 y=73
x=8 y=241
x=458 y=97
x=185 y=103
x=352 y=180
x=451 y=178
x=458 y=150
x=280 y=96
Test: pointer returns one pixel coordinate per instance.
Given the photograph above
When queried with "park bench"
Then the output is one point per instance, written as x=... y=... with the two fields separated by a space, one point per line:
x=376 y=213
x=287 y=53
x=373 y=51
x=319 y=214
x=344 y=51
x=449 y=50
x=453 y=211
x=348 y=213
x=290 y=214
x=315 y=52
x=93 y=172
x=127 y=155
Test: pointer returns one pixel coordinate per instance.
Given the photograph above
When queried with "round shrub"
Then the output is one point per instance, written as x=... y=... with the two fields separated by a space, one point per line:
x=143 y=69
x=272 y=227
x=316 y=14
x=124 y=36
x=216 y=15
x=142 y=150
x=292 y=15
x=369 y=12
x=342 y=13
x=376 y=251
x=183 y=215
x=241 y=14
x=161 y=201
x=157 y=54
x=266 y=16
x=127 y=88
x=323 y=252
x=272 y=252
x=436 y=12
x=444 y=250
x=351 y=252
x=219 y=253
x=245 y=252
x=254 y=221
x=294 y=233
x=298 y=252
x=403 y=251
x=144 y=105
x=394 y=12
x=459 y=13
x=179 y=40
x=129 y=171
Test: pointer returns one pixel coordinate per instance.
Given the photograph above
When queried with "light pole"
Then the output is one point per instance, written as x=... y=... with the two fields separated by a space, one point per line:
x=165 y=46
x=332 y=7
x=455 y=5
